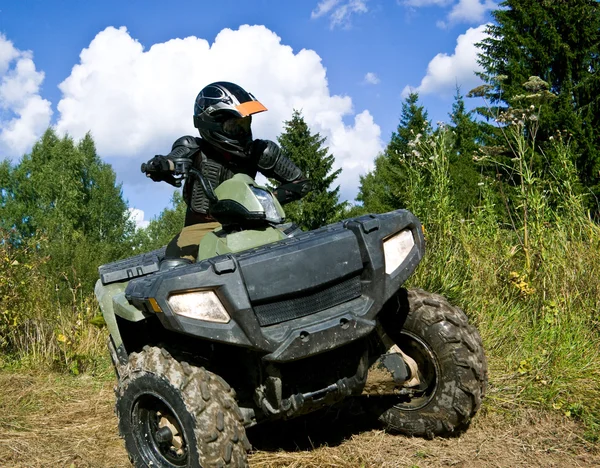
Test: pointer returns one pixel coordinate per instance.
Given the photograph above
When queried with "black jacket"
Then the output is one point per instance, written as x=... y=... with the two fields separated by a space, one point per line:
x=264 y=156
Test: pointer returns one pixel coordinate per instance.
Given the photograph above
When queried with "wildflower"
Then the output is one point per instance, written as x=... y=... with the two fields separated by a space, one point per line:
x=520 y=282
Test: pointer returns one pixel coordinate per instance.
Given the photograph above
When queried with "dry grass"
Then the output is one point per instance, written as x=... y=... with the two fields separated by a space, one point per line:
x=53 y=420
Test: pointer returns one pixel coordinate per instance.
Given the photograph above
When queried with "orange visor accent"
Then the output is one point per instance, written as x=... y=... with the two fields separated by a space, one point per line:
x=154 y=304
x=250 y=107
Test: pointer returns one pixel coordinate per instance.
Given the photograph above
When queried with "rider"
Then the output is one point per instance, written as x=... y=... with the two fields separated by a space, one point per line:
x=223 y=116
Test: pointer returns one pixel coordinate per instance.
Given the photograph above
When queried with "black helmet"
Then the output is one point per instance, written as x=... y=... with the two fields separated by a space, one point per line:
x=223 y=114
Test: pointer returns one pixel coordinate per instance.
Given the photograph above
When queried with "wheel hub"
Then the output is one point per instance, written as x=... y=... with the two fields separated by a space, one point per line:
x=160 y=436
x=168 y=433
x=163 y=435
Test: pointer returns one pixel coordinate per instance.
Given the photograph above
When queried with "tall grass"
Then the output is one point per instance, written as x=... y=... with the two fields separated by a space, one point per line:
x=38 y=326
x=532 y=287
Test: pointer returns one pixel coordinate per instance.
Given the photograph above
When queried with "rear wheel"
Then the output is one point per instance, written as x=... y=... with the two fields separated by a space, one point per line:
x=452 y=367
x=172 y=414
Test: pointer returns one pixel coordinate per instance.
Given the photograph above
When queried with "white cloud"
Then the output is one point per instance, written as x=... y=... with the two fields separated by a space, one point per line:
x=445 y=71
x=24 y=115
x=136 y=102
x=137 y=216
x=424 y=3
x=463 y=11
x=324 y=7
x=371 y=78
x=470 y=11
x=340 y=11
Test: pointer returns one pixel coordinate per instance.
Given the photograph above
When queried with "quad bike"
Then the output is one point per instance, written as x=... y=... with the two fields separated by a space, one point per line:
x=271 y=323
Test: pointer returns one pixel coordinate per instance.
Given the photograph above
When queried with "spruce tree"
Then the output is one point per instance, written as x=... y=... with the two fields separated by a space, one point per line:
x=413 y=121
x=558 y=41
x=464 y=174
x=383 y=189
x=321 y=205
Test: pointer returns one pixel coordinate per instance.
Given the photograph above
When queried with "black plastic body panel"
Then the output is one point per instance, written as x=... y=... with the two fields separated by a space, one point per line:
x=302 y=266
x=314 y=263
x=132 y=267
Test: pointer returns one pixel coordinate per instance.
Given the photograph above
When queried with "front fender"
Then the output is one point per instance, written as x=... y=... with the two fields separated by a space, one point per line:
x=111 y=298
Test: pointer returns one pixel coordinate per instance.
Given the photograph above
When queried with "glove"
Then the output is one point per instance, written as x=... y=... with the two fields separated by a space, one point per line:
x=159 y=169
x=293 y=191
x=158 y=164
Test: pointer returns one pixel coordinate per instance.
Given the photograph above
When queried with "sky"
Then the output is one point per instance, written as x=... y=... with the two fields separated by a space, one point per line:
x=128 y=72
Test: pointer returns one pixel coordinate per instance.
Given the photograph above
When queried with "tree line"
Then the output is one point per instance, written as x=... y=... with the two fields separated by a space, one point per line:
x=63 y=192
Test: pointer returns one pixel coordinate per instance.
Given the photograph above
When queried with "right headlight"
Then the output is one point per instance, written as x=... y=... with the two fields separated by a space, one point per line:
x=200 y=305
x=267 y=201
x=396 y=249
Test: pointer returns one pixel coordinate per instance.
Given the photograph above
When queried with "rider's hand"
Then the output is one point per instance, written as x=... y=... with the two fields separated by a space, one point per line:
x=292 y=191
x=158 y=164
x=159 y=169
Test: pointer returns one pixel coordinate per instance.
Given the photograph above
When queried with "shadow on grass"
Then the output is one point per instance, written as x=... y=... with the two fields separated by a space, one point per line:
x=327 y=427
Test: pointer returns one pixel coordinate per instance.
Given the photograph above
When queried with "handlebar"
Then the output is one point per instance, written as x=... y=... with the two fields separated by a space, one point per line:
x=170 y=170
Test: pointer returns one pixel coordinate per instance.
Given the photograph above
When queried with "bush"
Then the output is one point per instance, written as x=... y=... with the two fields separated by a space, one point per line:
x=37 y=325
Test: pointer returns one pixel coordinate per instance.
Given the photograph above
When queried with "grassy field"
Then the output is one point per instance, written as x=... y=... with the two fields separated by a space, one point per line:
x=58 y=420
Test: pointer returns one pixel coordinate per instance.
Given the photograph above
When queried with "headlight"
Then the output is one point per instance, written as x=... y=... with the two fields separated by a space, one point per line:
x=200 y=305
x=396 y=249
x=268 y=204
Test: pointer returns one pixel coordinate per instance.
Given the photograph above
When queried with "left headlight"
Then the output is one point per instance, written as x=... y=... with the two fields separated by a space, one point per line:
x=396 y=249
x=200 y=305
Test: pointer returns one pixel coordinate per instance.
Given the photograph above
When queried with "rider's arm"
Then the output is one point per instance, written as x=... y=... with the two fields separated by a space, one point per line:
x=274 y=164
x=176 y=163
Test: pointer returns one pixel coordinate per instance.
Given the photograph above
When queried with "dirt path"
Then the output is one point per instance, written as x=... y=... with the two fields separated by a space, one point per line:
x=57 y=421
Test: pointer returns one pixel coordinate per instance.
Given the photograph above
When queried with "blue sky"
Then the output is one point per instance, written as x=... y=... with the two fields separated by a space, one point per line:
x=128 y=71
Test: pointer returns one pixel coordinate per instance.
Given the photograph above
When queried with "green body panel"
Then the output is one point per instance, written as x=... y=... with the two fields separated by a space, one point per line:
x=213 y=244
x=238 y=188
x=111 y=298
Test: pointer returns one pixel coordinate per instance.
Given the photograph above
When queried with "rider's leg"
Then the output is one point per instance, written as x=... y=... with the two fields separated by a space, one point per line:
x=185 y=244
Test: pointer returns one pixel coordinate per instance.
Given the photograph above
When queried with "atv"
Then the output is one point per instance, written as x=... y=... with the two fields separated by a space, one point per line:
x=272 y=323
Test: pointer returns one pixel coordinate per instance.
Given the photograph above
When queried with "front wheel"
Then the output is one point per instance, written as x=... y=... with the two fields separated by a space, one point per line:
x=452 y=367
x=173 y=415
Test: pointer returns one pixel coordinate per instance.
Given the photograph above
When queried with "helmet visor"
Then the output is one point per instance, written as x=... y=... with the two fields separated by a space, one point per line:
x=237 y=127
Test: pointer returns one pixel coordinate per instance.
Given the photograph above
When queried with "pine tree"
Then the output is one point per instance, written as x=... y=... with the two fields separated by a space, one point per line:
x=383 y=189
x=413 y=121
x=558 y=41
x=321 y=205
x=464 y=174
